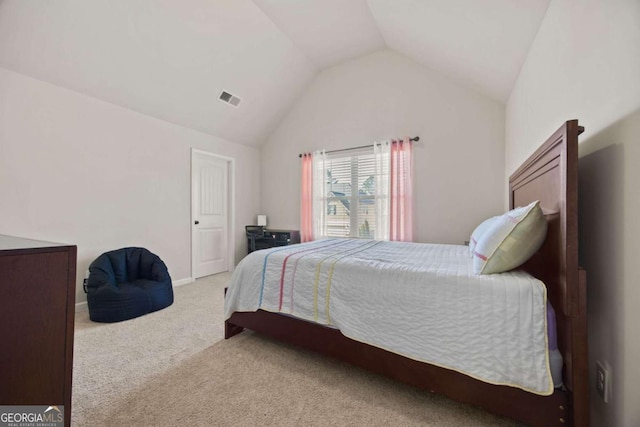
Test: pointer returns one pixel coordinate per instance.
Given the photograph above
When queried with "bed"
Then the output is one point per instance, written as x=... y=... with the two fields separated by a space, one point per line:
x=548 y=175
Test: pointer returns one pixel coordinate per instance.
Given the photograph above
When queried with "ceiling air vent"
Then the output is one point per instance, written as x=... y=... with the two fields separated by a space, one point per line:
x=229 y=98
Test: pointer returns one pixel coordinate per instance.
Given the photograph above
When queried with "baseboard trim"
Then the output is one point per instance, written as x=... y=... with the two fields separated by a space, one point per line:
x=83 y=306
x=181 y=282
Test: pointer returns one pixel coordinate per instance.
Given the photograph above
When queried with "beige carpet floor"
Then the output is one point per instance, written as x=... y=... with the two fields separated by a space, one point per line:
x=172 y=368
x=112 y=360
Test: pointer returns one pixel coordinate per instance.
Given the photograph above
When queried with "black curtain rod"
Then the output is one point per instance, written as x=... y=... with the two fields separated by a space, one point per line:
x=415 y=139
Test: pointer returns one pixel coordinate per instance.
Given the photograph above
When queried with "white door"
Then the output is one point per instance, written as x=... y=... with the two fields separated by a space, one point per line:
x=210 y=207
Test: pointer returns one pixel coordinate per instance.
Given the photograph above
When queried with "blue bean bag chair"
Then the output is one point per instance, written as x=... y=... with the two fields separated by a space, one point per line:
x=127 y=283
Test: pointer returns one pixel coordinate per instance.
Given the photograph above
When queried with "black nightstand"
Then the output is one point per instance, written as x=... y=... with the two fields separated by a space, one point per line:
x=271 y=238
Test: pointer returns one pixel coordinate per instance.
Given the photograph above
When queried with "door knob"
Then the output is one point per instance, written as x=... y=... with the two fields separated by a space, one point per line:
x=196 y=222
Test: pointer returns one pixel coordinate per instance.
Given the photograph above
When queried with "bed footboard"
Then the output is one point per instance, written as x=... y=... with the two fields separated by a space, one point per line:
x=231 y=330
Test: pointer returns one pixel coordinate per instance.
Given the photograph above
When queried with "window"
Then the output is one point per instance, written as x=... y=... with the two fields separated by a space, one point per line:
x=350 y=188
x=365 y=193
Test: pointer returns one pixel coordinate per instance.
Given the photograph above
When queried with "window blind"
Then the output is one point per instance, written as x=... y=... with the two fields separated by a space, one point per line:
x=350 y=194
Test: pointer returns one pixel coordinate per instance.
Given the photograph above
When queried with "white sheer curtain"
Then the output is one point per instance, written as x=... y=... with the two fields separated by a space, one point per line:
x=382 y=160
x=319 y=194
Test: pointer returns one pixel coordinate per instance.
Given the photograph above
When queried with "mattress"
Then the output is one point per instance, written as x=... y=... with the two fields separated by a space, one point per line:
x=422 y=301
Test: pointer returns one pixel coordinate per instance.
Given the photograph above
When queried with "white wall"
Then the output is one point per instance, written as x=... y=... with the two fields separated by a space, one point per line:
x=77 y=170
x=585 y=64
x=459 y=161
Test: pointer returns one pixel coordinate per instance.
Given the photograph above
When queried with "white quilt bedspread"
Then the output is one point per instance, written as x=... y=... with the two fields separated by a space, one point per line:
x=418 y=300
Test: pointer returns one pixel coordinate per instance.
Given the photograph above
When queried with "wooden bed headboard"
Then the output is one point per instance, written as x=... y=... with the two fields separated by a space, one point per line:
x=550 y=175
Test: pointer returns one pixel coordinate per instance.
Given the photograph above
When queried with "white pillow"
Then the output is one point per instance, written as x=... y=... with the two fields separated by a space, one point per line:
x=510 y=240
x=479 y=231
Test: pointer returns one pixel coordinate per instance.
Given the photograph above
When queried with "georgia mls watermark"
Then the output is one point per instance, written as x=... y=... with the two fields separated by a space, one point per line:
x=31 y=416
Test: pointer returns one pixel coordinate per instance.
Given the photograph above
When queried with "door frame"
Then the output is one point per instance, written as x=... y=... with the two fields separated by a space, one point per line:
x=231 y=208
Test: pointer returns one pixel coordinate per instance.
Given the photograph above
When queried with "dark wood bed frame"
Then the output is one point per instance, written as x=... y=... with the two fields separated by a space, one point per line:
x=551 y=176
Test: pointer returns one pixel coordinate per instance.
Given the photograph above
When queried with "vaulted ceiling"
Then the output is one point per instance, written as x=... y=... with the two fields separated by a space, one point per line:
x=171 y=59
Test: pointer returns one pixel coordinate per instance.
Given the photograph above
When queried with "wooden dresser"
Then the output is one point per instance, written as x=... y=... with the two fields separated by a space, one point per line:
x=37 y=305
